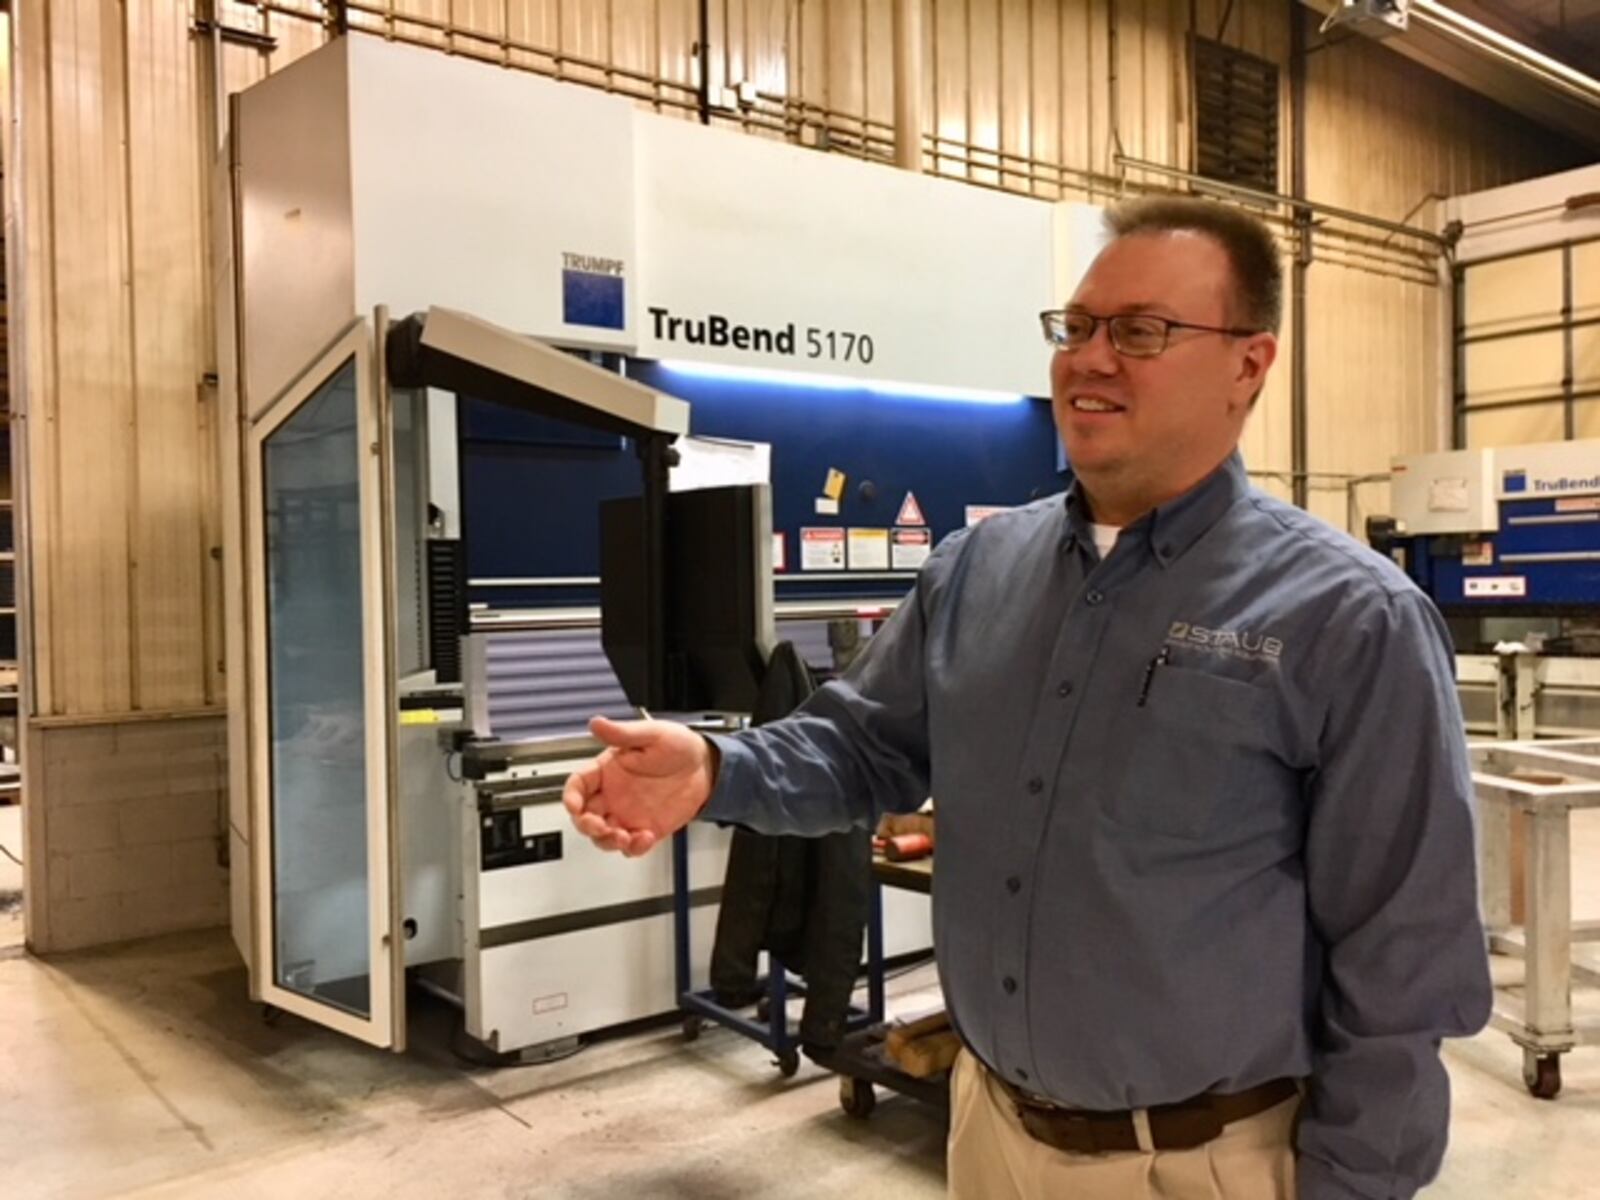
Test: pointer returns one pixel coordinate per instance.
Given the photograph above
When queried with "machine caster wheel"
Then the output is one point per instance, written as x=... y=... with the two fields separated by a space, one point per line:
x=789 y=1063
x=270 y=1014
x=856 y=1097
x=1542 y=1074
x=691 y=1028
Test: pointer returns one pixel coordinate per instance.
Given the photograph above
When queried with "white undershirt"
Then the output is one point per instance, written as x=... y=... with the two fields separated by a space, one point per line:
x=1105 y=537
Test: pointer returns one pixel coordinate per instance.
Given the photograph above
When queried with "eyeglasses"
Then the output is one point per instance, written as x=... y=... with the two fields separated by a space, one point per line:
x=1134 y=335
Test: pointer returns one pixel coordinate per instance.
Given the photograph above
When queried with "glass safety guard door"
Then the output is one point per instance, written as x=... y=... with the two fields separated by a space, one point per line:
x=320 y=704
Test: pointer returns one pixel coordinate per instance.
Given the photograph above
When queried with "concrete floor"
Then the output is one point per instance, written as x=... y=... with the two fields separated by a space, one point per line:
x=142 y=1071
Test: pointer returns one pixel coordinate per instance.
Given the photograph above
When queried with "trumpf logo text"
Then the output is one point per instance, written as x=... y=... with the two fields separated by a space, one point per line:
x=591 y=291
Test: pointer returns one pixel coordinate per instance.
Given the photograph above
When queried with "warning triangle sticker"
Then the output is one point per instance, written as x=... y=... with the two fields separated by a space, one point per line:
x=910 y=512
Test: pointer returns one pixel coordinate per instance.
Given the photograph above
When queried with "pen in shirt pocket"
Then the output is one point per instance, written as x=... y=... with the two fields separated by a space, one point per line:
x=1160 y=660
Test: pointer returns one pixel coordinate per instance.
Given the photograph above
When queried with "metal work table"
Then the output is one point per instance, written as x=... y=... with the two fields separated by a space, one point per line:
x=1545 y=781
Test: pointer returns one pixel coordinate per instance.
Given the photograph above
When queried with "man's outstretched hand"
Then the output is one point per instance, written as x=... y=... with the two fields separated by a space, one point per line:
x=652 y=779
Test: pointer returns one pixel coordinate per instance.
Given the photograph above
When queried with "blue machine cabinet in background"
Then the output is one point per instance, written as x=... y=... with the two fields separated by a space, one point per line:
x=1508 y=531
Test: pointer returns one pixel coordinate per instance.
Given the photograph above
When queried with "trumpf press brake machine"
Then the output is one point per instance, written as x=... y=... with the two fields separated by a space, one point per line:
x=1506 y=541
x=403 y=832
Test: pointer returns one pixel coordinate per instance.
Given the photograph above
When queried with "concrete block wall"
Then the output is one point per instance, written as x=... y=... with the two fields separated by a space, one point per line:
x=133 y=817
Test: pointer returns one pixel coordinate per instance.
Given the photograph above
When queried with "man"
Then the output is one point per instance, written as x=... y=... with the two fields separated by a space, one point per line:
x=1205 y=839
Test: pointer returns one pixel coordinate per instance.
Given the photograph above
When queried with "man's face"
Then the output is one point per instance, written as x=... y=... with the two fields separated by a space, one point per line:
x=1157 y=425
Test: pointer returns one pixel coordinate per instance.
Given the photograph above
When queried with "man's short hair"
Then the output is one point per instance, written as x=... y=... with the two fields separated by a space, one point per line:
x=1252 y=253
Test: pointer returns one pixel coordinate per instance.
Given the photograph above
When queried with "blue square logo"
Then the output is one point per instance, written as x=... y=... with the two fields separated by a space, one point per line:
x=593 y=300
x=1514 y=481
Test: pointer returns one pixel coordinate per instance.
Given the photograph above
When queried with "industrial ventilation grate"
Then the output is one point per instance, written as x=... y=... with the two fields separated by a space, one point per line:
x=1236 y=115
x=447 y=606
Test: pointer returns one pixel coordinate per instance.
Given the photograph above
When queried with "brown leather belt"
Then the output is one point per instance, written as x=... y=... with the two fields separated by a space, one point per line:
x=1172 y=1126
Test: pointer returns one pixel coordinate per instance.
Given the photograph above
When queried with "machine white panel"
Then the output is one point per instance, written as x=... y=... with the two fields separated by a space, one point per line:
x=572 y=983
x=1452 y=492
x=471 y=185
x=586 y=877
x=1547 y=469
x=429 y=820
x=907 y=922
x=296 y=256
x=945 y=281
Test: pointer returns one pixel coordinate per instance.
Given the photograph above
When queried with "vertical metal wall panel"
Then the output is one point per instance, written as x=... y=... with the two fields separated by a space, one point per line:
x=1586 y=307
x=586 y=34
x=1374 y=381
x=1014 y=72
x=31 y=177
x=1047 y=113
x=877 y=57
x=169 y=355
x=984 y=89
x=846 y=64
x=949 y=74
x=769 y=26
x=87 y=471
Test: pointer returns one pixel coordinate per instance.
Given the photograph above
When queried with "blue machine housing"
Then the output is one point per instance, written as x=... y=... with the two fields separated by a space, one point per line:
x=531 y=488
x=1555 y=555
x=1503 y=531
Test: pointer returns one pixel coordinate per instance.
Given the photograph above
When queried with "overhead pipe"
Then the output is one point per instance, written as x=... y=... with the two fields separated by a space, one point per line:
x=1299 y=378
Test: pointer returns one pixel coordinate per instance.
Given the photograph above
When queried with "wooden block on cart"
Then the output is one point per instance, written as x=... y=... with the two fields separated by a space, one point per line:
x=902 y=1034
x=928 y=1056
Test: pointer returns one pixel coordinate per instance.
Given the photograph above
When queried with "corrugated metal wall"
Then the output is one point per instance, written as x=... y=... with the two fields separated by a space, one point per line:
x=1387 y=139
x=113 y=313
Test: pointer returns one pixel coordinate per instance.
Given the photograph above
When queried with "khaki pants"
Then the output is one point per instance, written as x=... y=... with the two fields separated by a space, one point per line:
x=992 y=1157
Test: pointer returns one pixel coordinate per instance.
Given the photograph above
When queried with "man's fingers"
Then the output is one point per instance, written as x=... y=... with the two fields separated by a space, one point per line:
x=580 y=786
x=641 y=843
x=592 y=826
x=624 y=735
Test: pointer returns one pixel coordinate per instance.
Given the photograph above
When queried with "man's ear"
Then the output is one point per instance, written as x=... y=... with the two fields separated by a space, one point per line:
x=1260 y=351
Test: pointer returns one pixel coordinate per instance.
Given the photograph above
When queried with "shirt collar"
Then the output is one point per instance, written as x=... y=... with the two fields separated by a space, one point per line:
x=1178 y=524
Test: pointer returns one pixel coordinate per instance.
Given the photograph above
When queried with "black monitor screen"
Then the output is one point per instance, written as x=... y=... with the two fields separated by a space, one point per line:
x=717 y=601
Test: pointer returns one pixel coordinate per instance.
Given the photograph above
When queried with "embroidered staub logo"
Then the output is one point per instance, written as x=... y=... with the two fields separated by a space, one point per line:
x=1257 y=647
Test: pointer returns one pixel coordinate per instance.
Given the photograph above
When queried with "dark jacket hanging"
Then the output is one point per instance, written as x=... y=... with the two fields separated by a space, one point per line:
x=803 y=900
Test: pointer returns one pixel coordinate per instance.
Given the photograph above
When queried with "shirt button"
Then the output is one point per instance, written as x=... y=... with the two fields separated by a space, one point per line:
x=1022 y=1075
x=1009 y=984
x=1094 y=597
x=1013 y=885
x=1036 y=785
x=1064 y=689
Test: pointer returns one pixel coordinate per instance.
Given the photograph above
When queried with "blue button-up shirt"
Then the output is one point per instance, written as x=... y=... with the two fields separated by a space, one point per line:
x=1204 y=814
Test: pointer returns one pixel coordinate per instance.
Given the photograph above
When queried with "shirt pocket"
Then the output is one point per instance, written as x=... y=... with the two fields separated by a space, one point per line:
x=1197 y=740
